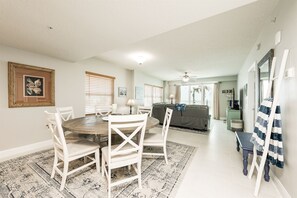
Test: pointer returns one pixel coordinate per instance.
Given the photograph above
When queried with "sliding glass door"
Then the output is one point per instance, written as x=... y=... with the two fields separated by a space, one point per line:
x=152 y=94
x=198 y=94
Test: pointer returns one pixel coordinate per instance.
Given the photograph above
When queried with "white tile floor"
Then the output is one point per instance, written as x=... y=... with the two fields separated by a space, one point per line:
x=216 y=168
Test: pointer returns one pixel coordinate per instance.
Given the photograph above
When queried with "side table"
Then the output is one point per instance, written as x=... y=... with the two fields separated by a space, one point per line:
x=243 y=142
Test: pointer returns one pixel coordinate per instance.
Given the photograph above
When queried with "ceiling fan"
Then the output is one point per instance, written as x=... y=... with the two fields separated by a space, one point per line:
x=186 y=77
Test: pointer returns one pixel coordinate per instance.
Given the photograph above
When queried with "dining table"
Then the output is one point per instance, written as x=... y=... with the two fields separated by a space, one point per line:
x=97 y=125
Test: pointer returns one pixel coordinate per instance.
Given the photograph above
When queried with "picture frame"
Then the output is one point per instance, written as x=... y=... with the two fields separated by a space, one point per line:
x=122 y=92
x=30 y=86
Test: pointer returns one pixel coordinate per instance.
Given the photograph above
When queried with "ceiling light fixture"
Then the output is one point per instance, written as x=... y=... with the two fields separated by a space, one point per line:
x=186 y=77
x=140 y=57
x=140 y=60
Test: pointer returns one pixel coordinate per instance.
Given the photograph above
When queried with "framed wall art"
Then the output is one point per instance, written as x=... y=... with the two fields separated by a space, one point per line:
x=30 y=86
x=122 y=92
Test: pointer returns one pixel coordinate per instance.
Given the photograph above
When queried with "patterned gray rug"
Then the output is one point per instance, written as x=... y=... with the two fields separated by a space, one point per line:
x=29 y=176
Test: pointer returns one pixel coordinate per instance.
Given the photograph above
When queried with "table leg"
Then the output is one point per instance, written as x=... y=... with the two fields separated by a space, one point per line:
x=266 y=171
x=96 y=138
x=245 y=161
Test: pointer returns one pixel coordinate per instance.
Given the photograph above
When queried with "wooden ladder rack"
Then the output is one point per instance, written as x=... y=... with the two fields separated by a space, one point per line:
x=280 y=77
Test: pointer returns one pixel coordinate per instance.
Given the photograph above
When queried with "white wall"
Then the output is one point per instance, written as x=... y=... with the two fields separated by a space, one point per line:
x=23 y=126
x=286 y=20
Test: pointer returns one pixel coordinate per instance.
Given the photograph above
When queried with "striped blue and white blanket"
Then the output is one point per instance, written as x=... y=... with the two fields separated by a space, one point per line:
x=275 y=152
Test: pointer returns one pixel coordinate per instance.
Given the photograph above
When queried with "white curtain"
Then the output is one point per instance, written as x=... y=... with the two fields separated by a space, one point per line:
x=177 y=94
x=216 y=103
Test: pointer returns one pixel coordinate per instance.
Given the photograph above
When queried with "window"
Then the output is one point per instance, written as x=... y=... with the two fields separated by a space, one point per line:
x=99 y=90
x=197 y=94
x=152 y=94
x=185 y=94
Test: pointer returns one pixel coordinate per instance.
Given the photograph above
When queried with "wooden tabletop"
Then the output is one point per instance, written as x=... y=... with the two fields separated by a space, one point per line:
x=95 y=125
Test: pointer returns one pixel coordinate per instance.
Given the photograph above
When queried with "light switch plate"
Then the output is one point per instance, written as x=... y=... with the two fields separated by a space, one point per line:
x=290 y=72
x=277 y=38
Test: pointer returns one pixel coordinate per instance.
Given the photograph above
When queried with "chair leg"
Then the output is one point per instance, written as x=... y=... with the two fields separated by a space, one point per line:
x=139 y=174
x=109 y=182
x=64 y=176
x=165 y=154
x=97 y=158
x=129 y=168
x=54 y=166
x=102 y=167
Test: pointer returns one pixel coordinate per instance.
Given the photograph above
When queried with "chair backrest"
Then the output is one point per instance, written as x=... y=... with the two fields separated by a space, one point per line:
x=127 y=127
x=166 y=123
x=66 y=113
x=54 y=123
x=145 y=109
x=103 y=110
x=114 y=108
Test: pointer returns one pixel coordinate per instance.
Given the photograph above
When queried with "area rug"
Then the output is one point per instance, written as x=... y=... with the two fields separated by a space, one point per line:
x=29 y=176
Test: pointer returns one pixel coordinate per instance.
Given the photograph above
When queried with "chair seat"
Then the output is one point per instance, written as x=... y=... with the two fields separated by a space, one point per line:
x=153 y=139
x=121 y=157
x=155 y=130
x=81 y=147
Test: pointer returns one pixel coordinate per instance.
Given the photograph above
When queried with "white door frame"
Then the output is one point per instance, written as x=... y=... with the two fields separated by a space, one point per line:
x=251 y=98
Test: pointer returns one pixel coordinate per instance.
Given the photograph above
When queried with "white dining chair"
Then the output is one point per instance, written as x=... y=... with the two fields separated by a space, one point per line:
x=103 y=110
x=67 y=113
x=128 y=152
x=68 y=152
x=145 y=109
x=159 y=139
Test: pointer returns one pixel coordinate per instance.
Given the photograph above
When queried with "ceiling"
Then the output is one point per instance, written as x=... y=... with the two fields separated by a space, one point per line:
x=206 y=38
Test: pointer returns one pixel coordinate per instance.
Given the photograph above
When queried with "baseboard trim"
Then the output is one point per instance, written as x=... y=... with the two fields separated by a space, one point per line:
x=279 y=186
x=23 y=150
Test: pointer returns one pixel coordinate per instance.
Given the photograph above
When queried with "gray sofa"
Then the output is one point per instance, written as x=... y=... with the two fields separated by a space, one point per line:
x=193 y=116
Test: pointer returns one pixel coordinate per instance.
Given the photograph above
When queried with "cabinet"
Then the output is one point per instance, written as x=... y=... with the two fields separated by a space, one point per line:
x=232 y=114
